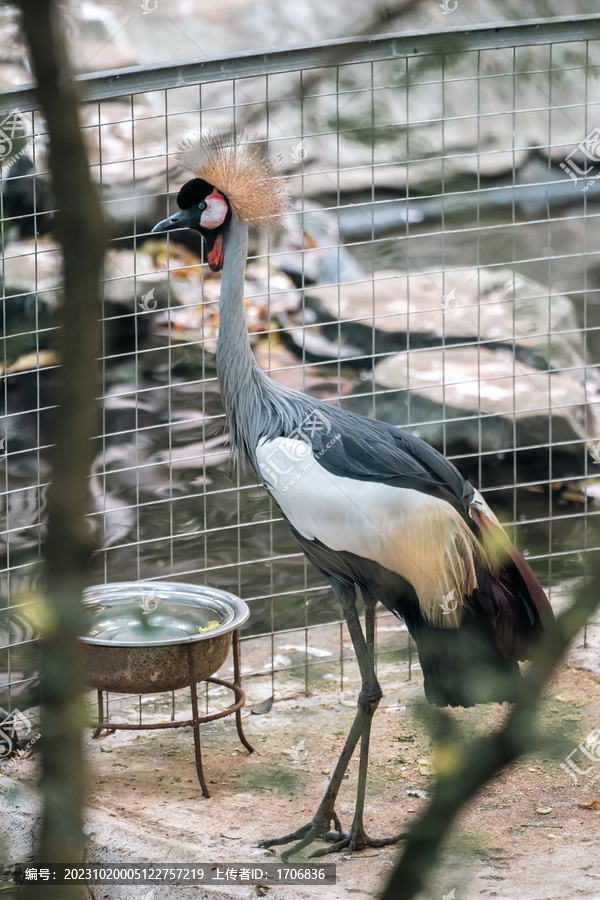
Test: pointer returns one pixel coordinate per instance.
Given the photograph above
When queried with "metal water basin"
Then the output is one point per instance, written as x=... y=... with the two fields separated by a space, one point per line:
x=139 y=635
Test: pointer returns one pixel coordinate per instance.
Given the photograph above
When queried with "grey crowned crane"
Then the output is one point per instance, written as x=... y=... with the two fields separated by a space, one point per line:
x=374 y=508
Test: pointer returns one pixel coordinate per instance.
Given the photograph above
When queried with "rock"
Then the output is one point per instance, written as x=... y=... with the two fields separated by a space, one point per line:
x=390 y=127
x=27 y=272
x=33 y=268
x=132 y=289
x=524 y=191
x=307 y=340
x=266 y=293
x=27 y=199
x=423 y=125
x=134 y=162
x=309 y=249
x=96 y=37
x=129 y=276
x=442 y=134
x=497 y=307
x=284 y=367
x=14 y=62
x=199 y=455
x=469 y=401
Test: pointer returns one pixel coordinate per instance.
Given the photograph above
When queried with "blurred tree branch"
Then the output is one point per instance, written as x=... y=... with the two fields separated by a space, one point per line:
x=83 y=235
x=462 y=771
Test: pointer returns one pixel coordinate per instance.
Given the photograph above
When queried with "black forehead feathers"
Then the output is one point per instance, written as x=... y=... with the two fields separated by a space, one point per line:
x=193 y=192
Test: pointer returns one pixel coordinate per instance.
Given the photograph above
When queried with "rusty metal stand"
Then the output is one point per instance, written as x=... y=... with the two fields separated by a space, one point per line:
x=197 y=720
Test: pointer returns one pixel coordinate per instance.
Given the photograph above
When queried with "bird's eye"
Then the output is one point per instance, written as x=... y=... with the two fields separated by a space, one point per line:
x=202 y=205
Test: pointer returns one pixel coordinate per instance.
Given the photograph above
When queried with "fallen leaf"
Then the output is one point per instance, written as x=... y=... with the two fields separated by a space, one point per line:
x=262 y=708
x=544 y=810
x=593 y=804
x=209 y=626
x=351 y=703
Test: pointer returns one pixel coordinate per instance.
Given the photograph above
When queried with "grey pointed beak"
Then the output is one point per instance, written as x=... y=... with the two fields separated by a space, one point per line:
x=183 y=218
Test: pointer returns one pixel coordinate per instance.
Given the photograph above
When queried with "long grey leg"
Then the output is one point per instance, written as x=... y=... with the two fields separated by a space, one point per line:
x=368 y=701
x=325 y=814
x=374 y=696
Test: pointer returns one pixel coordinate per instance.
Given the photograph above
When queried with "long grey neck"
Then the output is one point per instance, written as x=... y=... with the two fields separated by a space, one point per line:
x=235 y=360
x=247 y=392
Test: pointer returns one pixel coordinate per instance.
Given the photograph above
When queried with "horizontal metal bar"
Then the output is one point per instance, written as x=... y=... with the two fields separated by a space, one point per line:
x=139 y=79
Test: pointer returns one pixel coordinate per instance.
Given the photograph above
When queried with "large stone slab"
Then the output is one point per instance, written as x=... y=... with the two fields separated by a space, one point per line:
x=496 y=307
x=478 y=404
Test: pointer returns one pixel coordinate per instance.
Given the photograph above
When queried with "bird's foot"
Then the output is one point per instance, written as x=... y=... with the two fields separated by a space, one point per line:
x=355 y=839
x=318 y=829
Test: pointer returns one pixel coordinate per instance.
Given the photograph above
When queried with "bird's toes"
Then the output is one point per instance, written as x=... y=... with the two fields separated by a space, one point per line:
x=298 y=847
x=354 y=840
x=287 y=838
x=302 y=837
x=332 y=848
x=336 y=836
x=385 y=842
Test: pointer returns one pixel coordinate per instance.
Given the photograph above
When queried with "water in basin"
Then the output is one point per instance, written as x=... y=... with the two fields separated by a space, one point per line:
x=142 y=621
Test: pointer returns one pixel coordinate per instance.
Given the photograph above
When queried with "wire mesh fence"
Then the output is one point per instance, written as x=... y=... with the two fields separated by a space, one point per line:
x=436 y=269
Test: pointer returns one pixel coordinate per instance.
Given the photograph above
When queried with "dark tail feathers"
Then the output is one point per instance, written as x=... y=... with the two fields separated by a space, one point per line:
x=463 y=666
x=477 y=662
x=509 y=593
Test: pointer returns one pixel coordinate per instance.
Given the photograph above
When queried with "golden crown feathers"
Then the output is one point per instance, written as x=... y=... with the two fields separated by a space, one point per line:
x=241 y=170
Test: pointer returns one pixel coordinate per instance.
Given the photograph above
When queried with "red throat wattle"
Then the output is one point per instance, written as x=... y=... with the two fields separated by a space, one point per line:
x=215 y=254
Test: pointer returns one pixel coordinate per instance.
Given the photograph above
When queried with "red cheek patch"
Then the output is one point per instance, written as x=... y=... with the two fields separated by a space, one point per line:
x=215 y=254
